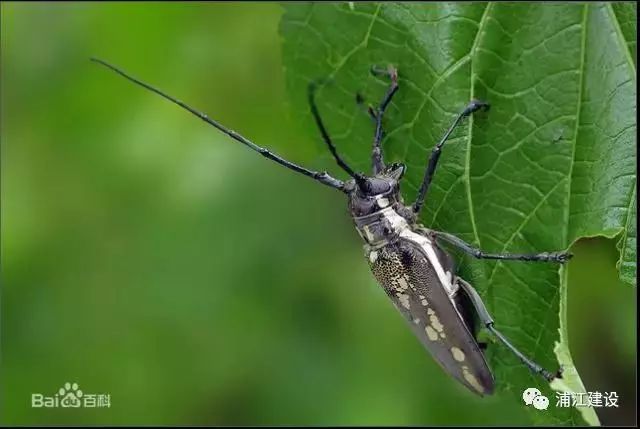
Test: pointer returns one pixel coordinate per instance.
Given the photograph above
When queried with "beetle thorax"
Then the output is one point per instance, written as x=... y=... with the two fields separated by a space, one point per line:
x=377 y=208
x=381 y=227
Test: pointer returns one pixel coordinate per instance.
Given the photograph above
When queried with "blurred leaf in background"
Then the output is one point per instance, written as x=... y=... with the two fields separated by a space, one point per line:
x=147 y=256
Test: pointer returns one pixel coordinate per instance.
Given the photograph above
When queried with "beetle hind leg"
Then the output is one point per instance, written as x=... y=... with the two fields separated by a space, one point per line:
x=488 y=322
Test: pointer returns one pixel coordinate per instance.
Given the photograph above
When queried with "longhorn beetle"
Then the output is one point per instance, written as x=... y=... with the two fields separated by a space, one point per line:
x=405 y=257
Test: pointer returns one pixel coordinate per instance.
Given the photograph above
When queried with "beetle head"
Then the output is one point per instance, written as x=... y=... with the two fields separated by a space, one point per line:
x=370 y=194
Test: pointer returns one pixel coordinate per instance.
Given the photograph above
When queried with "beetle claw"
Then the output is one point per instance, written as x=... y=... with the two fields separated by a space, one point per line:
x=475 y=105
x=562 y=257
x=550 y=377
x=389 y=71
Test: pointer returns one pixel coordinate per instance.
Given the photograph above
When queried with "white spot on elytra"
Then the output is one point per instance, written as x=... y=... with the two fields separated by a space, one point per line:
x=403 y=285
x=472 y=380
x=431 y=333
x=457 y=354
x=404 y=300
x=436 y=323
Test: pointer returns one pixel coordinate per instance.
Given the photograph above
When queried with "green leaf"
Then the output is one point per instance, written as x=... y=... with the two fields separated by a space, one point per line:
x=551 y=162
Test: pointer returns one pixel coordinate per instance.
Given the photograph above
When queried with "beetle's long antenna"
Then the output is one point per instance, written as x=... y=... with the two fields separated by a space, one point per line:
x=321 y=177
x=359 y=178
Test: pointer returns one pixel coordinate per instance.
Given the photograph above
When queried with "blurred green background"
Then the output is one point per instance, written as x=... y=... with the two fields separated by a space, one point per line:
x=147 y=256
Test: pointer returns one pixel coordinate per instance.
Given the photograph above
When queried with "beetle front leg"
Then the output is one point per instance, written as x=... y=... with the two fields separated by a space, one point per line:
x=488 y=322
x=559 y=257
x=377 y=114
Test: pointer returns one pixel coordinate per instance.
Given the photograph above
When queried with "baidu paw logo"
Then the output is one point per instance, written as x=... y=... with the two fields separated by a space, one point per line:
x=533 y=396
x=71 y=395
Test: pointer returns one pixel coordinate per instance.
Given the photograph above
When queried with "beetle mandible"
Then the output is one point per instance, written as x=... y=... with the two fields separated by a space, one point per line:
x=406 y=258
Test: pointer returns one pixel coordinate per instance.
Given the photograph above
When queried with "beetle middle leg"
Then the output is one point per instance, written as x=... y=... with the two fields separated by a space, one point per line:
x=473 y=106
x=559 y=257
x=488 y=322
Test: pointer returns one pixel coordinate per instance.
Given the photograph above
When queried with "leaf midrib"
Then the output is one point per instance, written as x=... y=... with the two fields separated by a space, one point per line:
x=467 y=167
x=583 y=43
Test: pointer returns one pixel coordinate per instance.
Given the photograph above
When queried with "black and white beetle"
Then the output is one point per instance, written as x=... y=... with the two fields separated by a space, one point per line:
x=405 y=257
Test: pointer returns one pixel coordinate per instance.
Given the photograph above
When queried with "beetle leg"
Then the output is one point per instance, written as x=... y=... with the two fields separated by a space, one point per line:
x=488 y=322
x=377 y=114
x=435 y=153
x=560 y=257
